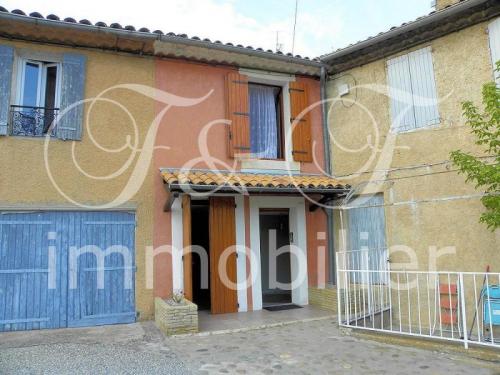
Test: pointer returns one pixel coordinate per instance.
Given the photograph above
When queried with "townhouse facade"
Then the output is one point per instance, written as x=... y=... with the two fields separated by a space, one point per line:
x=62 y=201
x=413 y=258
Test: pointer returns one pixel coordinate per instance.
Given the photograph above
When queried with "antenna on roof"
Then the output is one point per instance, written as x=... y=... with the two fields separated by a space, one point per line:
x=295 y=24
x=279 y=46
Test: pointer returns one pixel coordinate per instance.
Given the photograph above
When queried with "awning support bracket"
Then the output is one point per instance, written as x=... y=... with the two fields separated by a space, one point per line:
x=171 y=196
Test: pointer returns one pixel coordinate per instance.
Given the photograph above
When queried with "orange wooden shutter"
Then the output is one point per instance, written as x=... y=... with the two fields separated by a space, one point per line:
x=186 y=239
x=301 y=136
x=222 y=231
x=237 y=111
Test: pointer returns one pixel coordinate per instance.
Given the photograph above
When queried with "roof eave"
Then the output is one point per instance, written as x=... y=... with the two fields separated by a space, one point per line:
x=151 y=37
x=176 y=187
x=423 y=22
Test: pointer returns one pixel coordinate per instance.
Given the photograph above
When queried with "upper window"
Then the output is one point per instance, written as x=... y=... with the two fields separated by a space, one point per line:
x=262 y=113
x=266 y=129
x=494 y=35
x=412 y=90
x=38 y=98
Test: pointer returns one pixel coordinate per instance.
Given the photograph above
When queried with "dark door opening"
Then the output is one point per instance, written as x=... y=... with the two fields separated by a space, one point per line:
x=275 y=269
x=201 y=254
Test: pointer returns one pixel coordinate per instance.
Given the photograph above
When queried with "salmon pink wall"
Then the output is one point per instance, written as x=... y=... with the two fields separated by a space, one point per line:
x=317 y=247
x=181 y=127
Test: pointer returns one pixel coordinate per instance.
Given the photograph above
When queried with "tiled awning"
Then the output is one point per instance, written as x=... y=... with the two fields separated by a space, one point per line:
x=223 y=181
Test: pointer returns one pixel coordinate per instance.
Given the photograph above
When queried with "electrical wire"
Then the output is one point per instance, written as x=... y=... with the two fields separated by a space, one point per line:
x=418 y=166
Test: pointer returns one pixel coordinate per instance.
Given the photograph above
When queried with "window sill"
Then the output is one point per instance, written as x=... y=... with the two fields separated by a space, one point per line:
x=431 y=126
x=37 y=138
x=281 y=166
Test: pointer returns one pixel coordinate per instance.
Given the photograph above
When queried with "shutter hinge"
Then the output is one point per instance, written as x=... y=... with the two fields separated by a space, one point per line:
x=297 y=119
x=230 y=135
x=296 y=90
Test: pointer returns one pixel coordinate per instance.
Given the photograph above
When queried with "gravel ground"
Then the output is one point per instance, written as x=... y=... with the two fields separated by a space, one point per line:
x=121 y=349
x=88 y=359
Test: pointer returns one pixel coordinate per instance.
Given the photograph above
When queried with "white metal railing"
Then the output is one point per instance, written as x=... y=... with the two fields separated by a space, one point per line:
x=455 y=306
x=365 y=259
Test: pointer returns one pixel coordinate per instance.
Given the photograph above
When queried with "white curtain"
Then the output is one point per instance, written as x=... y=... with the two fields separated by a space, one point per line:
x=264 y=121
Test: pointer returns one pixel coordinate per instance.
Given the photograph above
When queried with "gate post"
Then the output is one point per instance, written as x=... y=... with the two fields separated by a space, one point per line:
x=464 y=316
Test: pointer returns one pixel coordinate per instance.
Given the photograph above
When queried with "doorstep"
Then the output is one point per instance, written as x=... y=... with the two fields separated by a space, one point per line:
x=247 y=321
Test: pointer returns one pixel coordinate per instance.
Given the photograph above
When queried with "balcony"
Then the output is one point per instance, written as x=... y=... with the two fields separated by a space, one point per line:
x=32 y=121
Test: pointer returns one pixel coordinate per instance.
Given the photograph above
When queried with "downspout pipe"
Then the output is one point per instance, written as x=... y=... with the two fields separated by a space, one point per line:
x=328 y=169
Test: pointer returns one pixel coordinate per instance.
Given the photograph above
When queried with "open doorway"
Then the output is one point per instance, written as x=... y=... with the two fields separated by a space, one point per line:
x=275 y=256
x=201 y=242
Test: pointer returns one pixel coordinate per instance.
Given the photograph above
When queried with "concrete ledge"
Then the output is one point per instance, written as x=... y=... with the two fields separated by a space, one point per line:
x=256 y=328
x=174 y=319
x=475 y=351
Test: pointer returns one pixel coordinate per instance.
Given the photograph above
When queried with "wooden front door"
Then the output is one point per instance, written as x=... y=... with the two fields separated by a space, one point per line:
x=223 y=236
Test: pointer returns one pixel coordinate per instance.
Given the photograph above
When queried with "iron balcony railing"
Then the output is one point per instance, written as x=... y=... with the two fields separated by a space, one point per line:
x=32 y=121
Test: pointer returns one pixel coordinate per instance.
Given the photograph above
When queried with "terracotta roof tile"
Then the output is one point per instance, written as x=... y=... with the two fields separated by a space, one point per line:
x=250 y=180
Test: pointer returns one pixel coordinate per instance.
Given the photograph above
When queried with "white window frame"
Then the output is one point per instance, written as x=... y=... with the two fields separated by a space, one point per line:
x=277 y=166
x=42 y=80
x=298 y=263
x=417 y=126
x=494 y=44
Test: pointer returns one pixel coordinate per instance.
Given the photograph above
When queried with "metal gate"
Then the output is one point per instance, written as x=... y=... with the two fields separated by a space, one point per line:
x=453 y=306
x=66 y=269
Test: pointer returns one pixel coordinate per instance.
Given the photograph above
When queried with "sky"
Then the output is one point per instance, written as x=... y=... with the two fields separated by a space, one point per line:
x=322 y=25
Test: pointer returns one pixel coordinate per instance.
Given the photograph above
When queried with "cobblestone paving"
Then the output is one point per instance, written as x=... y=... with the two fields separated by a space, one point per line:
x=304 y=348
x=313 y=348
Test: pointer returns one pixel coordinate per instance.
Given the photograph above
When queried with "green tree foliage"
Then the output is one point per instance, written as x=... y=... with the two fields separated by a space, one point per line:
x=484 y=172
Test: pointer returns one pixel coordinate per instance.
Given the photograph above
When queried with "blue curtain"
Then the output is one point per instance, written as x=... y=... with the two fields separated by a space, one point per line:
x=263 y=121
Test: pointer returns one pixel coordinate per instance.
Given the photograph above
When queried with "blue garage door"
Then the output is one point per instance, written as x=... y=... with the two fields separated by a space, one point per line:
x=66 y=269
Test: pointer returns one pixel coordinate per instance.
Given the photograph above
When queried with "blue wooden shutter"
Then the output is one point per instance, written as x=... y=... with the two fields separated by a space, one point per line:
x=6 y=62
x=69 y=125
x=400 y=91
x=423 y=87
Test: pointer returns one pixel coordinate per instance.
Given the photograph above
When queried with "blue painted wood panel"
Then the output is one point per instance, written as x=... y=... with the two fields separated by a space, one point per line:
x=34 y=295
x=6 y=65
x=72 y=92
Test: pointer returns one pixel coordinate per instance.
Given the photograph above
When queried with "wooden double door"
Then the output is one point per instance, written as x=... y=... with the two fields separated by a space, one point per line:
x=222 y=253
